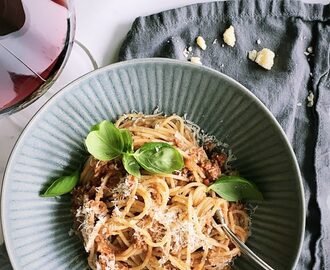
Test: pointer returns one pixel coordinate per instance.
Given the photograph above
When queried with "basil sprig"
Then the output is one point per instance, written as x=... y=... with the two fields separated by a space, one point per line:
x=62 y=185
x=159 y=158
x=235 y=188
x=106 y=142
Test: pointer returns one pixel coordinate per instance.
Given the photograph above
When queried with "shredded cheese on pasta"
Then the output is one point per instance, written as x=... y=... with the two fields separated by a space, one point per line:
x=156 y=221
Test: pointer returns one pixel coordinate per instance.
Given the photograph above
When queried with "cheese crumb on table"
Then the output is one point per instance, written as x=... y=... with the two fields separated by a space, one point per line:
x=308 y=51
x=265 y=58
x=310 y=99
x=253 y=55
x=185 y=52
x=229 y=36
x=201 y=43
x=258 y=41
x=196 y=60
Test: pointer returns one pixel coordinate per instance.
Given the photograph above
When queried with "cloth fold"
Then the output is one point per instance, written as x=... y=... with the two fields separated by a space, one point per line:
x=299 y=34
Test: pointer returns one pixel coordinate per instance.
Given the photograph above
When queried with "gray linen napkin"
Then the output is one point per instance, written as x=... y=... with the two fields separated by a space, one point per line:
x=4 y=262
x=288 y=28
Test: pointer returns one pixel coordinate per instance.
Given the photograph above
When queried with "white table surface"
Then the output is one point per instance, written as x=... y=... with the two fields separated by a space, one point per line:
x=101 y=26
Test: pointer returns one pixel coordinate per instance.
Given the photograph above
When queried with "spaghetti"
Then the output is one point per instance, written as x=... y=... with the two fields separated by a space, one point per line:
x=157 y=221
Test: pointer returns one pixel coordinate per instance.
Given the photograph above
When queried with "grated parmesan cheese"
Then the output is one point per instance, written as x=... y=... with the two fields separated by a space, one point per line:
x=196 y=60
x=184 y=234
x=265 y=58
x=165 y=218
x=109 y=261
x=123 y=189
x=71 y=232
x=201 y=43
x=252 y=55
x=185 y=52
x=163 y=260
x=229 y=36
x=116 y=212
x=91 y=237
x=310 y=99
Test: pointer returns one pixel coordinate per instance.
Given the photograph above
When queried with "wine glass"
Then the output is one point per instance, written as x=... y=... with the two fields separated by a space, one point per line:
x=36 y=38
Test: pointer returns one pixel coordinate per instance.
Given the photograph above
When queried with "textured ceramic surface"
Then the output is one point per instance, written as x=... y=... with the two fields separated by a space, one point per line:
x=36 y=229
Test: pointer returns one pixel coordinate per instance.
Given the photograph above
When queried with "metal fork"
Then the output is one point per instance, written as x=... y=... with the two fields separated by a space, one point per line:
x=238 y=243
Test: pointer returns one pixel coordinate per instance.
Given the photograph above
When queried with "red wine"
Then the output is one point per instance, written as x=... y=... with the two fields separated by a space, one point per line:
x=34 y=39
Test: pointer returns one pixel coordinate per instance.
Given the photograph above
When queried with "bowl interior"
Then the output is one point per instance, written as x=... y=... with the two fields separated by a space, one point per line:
x=36 y=229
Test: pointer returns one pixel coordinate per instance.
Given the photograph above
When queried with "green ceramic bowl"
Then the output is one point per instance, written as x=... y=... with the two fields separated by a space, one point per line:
x=36 y=229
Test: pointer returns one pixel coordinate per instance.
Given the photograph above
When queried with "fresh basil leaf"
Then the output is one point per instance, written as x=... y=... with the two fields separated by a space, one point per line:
x=95 y=127
x=105 y=141
x=131 y=165
x=159 y=158
x=127 y=140
x=235 y=188
x=62 y=185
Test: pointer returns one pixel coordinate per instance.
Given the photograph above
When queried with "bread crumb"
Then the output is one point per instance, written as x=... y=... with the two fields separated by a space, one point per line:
x=229 y=36
x=258 y=41
x=265 y=58
x=306 y=53
x=214 y=41
x=253 y=55
x=201 y=43
x=299 y=104
x=196 y=60
x=190 y=49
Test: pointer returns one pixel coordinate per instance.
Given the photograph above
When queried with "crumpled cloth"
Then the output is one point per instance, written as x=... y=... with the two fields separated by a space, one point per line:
x=288 y=28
